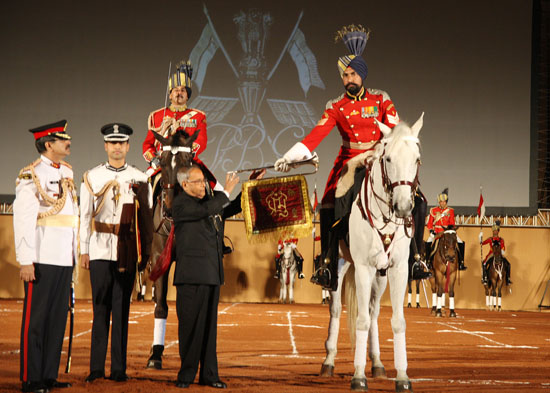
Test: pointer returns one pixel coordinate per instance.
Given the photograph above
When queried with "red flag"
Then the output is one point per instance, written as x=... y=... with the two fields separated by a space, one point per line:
x=315 y=201
x=481 y=207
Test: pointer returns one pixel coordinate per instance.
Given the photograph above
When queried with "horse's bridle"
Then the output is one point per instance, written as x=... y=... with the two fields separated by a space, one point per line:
x=442 y=250
x=388 y=187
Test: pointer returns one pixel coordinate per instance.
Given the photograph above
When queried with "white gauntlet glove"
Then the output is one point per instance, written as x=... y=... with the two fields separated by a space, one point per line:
x=298 y=152
x=282 y=165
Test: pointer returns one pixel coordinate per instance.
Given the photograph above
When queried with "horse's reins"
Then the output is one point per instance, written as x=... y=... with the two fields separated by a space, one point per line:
x=388 y=187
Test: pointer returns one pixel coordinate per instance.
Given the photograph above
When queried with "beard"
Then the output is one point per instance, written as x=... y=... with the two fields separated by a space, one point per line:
x=353 y=88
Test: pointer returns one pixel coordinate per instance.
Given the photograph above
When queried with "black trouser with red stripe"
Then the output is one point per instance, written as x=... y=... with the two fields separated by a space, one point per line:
x=43 y=324
x=111 y=292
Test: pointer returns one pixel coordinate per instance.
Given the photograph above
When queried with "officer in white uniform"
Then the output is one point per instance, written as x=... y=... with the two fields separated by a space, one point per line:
x=45 y=220
x=107 y=206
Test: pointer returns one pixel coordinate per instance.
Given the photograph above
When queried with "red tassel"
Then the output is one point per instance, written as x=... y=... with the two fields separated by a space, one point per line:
x=164 y=259
x=448 y=277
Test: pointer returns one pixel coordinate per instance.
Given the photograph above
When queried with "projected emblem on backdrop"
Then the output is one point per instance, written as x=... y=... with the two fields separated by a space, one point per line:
x=276 y=208
x=243 y=144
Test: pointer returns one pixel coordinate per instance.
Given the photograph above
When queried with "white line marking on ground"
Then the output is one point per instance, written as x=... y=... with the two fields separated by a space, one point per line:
x=496 y=344
x=474 y=381
x=224 y=311
x=303 y=326
x=474 y=332
x=171 y=344
x=227 y=324
x=291 y=334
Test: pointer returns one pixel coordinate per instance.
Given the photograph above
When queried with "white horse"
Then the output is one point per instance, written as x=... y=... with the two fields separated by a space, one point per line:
x=288 y=273
x=378 y=241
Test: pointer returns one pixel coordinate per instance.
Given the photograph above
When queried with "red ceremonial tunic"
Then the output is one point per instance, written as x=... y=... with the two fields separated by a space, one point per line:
x=193 y=120
x=490 y=241
x=440 y=218
x=354 y=117
x=190 y=119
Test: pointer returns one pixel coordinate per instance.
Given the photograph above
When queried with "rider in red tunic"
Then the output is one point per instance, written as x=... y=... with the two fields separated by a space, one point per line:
x=353 y=114
x=489 y=257
x=297 y=256
x=441 y=217
x=177 y=116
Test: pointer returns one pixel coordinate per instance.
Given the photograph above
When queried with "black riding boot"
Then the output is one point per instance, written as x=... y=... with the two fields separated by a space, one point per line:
x=326 y=274
x=484 y=274
x=277 y=268
x=299 y=265
x=155 y=360
x=461 y=247
x=508 y=267
x=428 y=246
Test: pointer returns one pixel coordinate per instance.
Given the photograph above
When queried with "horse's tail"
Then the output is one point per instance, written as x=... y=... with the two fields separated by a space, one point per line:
x=351 y=302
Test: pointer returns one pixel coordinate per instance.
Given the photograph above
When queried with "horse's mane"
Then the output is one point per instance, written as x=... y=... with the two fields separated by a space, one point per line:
x=401 y=130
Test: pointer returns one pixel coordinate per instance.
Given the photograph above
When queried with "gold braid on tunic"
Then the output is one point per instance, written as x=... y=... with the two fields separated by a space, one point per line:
x=106 y=187
x=67 y=186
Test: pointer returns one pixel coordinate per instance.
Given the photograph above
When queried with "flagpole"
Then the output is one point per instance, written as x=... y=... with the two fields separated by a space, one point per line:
x=286 y=46
x=481 y=208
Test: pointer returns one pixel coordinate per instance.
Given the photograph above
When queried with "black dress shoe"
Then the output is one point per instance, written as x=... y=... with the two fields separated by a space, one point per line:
x=217 y=384
x=34 y=387
x=119 y=376
x=94 y=375
x=53 y=383
x=182 y=385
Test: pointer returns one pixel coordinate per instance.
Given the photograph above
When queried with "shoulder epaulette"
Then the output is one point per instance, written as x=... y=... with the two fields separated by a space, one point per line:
x=198 y=111
x=25 y=176
x=31 y=165
x=157 y=110
x=432 y=211
x=333 y=101
x=378 y=92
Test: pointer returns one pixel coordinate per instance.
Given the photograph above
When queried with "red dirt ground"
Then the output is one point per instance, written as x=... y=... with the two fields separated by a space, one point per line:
x=280 y=348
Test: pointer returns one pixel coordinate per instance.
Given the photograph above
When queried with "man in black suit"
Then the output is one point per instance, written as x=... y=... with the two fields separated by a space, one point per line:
x=198 y=216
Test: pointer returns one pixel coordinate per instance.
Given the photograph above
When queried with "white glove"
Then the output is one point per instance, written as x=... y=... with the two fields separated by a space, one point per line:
x=503 y=252
x=480 y=237
x=282 y=165
x=298 y=152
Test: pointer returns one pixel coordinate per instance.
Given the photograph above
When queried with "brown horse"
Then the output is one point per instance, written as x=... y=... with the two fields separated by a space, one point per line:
x=496 y=277
x=176 y=154
x=444 y=268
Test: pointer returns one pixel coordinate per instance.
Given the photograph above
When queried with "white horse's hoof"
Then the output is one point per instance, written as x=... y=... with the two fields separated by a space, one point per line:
x=327 y=370
x=359 y=385
x=378 y=372
x=403 y=386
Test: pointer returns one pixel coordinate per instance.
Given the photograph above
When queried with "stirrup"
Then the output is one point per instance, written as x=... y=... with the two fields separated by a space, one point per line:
x=322 y=277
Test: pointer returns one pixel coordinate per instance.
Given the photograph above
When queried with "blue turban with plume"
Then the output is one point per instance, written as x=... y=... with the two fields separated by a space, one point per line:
x=355 y=38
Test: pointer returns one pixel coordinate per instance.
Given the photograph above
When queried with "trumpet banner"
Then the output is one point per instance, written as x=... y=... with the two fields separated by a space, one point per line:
x=276 y=208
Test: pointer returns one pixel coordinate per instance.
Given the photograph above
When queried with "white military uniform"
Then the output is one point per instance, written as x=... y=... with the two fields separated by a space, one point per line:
x=45 y=220
x=105 y=207
x=103 y=193
x=45 y=229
